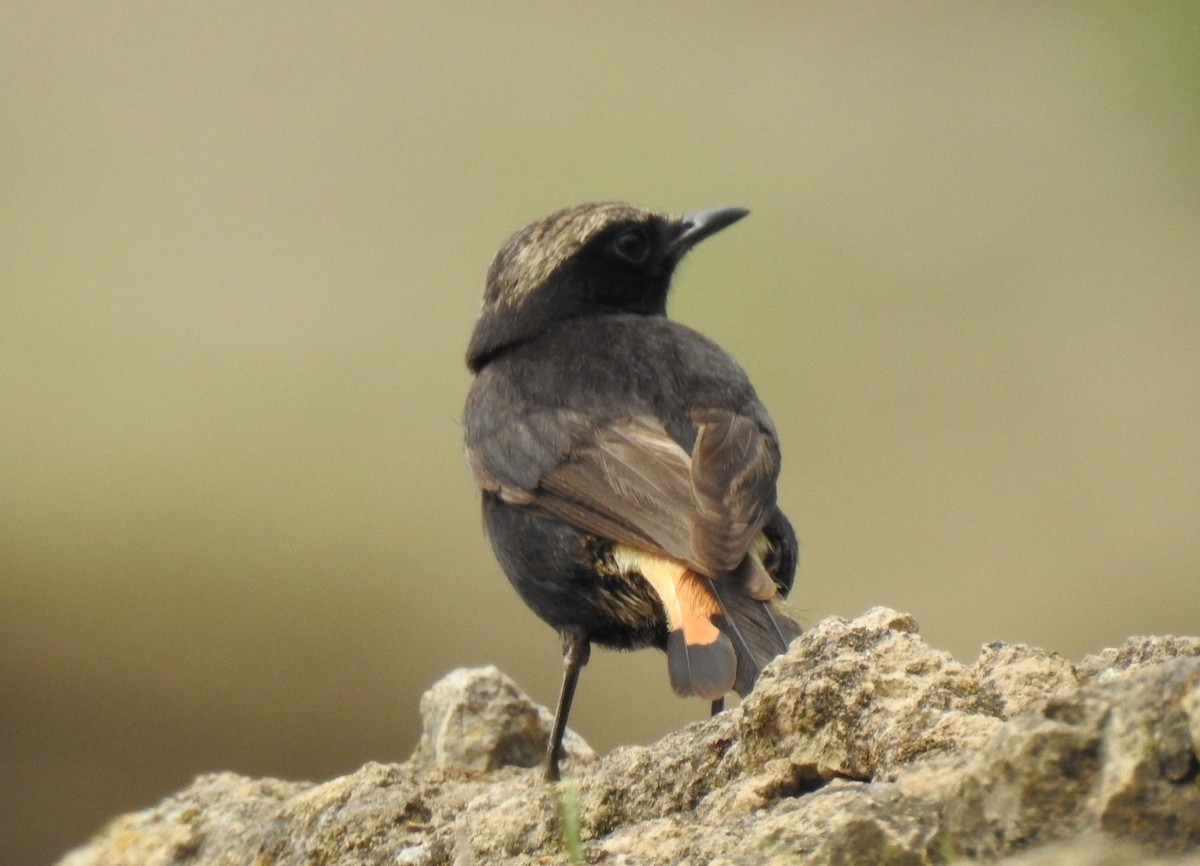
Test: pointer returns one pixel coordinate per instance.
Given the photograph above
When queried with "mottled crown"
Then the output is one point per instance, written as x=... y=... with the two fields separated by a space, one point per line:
x=531 y=255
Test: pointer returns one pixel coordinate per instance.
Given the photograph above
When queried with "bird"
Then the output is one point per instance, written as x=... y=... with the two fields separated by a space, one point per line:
x=627 y=467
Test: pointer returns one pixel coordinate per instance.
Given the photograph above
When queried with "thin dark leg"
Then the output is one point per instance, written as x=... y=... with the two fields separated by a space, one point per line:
x=576 y=650
x=718 y=704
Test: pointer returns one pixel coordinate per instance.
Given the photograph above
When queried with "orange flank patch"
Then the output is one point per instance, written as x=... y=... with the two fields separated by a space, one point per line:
x=699 y=607
x=687 y=601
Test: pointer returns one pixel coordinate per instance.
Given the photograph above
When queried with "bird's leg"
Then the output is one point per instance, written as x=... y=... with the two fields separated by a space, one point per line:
x=576 y=649
x=718 y=704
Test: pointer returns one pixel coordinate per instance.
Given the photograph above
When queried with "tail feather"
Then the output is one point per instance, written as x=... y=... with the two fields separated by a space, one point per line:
x=785 y=628
x=760 y=631
x=719 y=636
x=704 y=670
x=701 y=660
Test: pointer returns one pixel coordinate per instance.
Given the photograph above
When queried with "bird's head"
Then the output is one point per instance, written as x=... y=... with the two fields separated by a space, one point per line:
x=592 y=259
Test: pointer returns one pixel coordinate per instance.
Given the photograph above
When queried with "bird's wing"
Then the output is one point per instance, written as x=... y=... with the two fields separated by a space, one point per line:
x=687 y=521
x=631 y=482
x=735 y=463
x=628 y=481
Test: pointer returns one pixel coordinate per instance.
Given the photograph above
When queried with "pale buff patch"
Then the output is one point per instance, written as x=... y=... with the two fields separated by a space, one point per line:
x=689 y=605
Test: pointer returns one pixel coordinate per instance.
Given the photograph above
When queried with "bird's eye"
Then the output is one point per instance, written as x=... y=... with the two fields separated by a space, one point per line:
x=632 y=246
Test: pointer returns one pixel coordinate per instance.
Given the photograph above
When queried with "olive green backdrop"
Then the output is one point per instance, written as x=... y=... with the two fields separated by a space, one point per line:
x=241 y=247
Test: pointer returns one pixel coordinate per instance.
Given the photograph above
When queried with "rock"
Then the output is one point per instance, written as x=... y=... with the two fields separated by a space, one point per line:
x=1117 y=755
x=1016 y=676
x=1093 y=849
x=1137 y=653
x=861 y=744
x=478 y=719
x=843 y=823
x=859 y=699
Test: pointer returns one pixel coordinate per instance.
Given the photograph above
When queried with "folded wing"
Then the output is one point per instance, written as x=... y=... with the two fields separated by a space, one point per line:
x=690 y=523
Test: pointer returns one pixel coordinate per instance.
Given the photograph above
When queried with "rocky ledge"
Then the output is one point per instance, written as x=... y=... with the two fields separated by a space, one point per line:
x=861 y=745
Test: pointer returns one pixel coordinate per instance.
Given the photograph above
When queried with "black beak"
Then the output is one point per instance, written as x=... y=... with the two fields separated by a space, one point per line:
x=695 y=227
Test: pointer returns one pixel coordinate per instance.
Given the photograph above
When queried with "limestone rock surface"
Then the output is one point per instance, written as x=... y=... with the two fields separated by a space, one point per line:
x=862 y=744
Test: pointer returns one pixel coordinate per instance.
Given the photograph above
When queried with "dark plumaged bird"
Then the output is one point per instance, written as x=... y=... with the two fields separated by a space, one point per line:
x=627 y=466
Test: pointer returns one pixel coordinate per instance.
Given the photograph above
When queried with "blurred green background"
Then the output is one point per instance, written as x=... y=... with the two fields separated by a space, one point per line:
x=241 y=250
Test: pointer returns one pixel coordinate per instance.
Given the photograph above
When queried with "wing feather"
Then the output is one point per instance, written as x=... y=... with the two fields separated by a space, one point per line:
x=631 y=482
x=692 y=519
